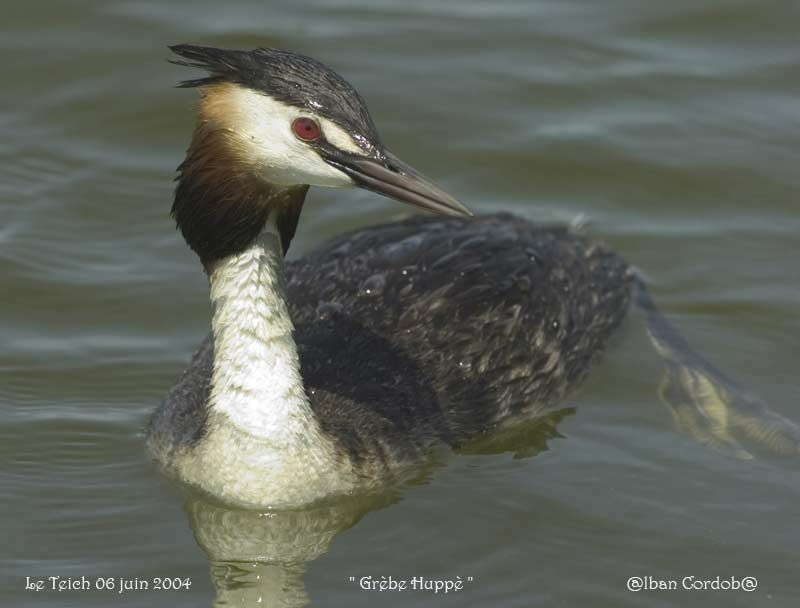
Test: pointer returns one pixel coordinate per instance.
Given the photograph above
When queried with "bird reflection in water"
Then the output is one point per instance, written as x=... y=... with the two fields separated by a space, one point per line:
x=260 y=558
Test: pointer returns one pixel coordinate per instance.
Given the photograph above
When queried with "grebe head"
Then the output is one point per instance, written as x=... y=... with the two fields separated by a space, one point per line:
x=270 y=124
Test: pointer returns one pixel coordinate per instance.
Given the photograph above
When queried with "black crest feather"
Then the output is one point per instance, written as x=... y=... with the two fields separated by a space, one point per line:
x=286 y=76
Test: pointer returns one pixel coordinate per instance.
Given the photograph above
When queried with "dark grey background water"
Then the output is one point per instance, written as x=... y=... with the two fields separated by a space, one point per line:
x=673 y=126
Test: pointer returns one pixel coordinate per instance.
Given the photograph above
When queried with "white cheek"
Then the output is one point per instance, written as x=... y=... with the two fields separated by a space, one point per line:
x=278 y=155
x=339 y=137
x=289 y=161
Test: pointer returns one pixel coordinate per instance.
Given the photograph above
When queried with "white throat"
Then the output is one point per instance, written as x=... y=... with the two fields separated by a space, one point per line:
x=256 y=381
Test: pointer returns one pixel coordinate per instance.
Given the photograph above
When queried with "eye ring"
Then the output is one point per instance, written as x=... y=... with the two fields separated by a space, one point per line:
x=306 y=128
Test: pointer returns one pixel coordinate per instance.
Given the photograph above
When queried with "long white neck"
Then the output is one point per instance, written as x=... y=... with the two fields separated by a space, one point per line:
x=256 y=380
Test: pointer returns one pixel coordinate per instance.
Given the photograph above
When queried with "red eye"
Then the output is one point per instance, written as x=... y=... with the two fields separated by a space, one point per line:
x=306 y=128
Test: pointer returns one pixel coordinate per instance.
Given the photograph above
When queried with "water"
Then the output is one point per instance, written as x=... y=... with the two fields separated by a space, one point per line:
x=673 y=127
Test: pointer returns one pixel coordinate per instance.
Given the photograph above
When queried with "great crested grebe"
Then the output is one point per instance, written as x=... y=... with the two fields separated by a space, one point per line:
x=333 y=373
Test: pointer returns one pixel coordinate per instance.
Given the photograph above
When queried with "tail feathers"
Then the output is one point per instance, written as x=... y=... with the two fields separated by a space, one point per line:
x=704 y=402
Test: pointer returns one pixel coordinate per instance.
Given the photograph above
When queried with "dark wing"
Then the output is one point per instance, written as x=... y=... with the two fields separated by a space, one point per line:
x=180 y=420
x=434 y=330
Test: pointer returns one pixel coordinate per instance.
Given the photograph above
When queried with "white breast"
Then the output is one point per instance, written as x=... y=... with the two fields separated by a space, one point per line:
x=263 y=445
